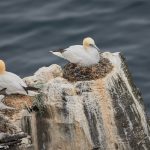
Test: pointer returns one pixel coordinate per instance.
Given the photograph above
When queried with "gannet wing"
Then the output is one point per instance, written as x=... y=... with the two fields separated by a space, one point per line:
x=58 y=52
x=14 y=84
x=74 y=54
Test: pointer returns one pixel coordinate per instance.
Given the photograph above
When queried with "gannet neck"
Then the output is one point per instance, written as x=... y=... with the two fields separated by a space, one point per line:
x=87 y=42
x=2 y=67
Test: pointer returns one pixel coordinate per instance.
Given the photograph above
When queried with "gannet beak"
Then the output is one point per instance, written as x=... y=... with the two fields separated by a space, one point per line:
x=94 y=46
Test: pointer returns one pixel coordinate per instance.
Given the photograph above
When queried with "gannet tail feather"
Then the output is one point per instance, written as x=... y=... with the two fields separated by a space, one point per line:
x=59 y=54
x=31 y=91
x=3 y=91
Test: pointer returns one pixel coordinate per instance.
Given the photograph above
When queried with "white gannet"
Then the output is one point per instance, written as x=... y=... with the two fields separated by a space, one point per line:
x=84 y=55
x=10 y=83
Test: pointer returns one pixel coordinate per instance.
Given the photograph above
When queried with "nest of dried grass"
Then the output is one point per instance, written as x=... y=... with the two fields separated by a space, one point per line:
x=73 y=72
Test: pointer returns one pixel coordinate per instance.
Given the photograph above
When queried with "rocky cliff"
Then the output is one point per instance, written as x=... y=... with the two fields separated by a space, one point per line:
x=78 y=108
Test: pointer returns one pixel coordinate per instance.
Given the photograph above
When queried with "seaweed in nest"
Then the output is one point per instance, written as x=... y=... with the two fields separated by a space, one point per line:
x=38 y=104
x=74 y=72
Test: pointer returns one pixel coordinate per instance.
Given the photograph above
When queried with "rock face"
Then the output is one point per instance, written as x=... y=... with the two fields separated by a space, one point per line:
x=100 y=114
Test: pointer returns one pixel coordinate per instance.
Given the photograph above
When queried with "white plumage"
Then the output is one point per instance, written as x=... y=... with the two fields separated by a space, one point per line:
x=84 y=55
x=12 y=83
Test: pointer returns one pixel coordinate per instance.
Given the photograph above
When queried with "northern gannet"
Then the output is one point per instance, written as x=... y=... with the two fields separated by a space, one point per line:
x=10 y=83
x=84 y=55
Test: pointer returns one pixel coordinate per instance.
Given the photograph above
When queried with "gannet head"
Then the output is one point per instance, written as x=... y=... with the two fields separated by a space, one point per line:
x=2 y=67
x=89 y=42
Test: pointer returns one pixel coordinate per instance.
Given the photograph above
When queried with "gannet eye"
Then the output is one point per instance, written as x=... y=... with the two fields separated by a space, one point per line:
x=87 y=41
x=92 y=45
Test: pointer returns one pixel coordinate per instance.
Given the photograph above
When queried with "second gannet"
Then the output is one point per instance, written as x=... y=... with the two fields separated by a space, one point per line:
x=13 y=84
x=84 y=55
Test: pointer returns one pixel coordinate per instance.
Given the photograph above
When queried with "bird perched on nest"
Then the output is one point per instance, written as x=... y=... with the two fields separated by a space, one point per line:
x=10 y=83
x=84 y=55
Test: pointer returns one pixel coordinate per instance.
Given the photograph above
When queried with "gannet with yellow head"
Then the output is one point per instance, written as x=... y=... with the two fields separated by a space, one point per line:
x=10 y=83
x=84 y=55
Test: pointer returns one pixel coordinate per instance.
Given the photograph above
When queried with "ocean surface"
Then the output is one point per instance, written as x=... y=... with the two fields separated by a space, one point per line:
x=30 y=29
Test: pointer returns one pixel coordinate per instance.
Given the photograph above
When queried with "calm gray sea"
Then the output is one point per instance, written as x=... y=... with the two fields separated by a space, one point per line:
x=30 y=28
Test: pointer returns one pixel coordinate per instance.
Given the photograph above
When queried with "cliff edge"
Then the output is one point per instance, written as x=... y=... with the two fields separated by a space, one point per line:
x=95 y=108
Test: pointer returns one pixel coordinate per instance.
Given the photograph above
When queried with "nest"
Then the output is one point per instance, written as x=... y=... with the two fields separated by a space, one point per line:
x=18 y=102
x=74 y=72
